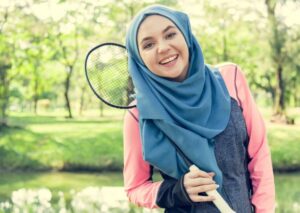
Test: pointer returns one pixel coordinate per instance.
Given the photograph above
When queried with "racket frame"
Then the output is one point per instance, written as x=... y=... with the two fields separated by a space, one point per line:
x=87 y=76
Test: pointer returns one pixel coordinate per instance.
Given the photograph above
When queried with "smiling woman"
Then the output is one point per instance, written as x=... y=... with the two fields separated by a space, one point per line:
x=188 y=109
x=163 y=48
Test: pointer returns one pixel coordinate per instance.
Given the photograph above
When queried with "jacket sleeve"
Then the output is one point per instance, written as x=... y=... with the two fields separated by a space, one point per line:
x=260 y=165
x=172 y=194
x=138 y=184
x=137 y=173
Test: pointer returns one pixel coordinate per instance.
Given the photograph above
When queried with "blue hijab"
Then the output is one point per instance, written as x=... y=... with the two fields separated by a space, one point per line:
x=189 y=113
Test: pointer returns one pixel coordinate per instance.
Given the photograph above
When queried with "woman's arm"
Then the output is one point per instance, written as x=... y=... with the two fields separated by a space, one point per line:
x=139 y=187
x=260 y=165
x=137 y=173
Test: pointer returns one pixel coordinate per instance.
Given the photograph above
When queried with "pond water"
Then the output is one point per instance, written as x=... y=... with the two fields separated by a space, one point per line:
x=287 y=185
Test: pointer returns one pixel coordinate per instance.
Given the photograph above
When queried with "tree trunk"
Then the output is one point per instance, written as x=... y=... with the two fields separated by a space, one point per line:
x=271 y=89
x=279 y=100
x=277 y=41
x=4 y=96
x=67 y=88
x=3 y=118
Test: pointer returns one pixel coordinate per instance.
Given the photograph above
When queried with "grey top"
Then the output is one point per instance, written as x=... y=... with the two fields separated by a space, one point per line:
x=232 y=158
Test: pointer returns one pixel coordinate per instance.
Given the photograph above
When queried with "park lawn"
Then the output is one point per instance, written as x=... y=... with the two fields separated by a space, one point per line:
x=284 y=141
x=48 y=142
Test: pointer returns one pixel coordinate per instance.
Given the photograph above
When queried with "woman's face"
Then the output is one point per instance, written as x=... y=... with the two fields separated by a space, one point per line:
x=163 y=48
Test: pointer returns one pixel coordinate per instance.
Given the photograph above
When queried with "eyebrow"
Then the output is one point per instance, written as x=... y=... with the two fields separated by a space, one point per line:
x=165 y=30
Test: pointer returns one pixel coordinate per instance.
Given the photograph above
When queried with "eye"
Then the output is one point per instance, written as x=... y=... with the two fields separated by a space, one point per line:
x=148 y=45
x=171 y=35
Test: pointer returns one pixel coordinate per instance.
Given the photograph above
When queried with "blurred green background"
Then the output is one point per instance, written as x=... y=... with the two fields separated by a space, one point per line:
x=54 y=132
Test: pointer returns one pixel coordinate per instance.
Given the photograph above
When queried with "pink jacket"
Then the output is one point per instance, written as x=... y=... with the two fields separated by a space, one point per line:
x=142 y=191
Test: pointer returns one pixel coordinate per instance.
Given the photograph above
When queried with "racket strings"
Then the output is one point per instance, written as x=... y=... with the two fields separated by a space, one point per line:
x=107 y=72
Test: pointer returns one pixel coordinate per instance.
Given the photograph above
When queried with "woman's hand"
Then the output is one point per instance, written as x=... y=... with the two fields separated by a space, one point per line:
x=196 y=182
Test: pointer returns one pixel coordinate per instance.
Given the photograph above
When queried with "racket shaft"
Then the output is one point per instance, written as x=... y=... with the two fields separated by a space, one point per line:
x=220 y=203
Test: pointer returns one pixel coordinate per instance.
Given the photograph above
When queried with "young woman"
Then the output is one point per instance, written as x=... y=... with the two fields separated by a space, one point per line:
x=208 y=112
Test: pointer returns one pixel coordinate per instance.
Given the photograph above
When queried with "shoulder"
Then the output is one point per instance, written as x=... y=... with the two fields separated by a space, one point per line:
x=227 y=70
x=132 y=114
x=231 y=72
x=234 y=79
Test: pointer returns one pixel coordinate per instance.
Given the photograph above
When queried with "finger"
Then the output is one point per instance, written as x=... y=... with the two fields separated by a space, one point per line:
x=200 y=198
x=199 y=182
x=198 y=173
x=211 y=174
x=200 y=189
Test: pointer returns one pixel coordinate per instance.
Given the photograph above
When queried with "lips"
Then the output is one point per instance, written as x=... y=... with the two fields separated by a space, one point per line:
x=168 y=60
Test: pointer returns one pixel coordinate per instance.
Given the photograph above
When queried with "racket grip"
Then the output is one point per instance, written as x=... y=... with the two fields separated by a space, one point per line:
x=220 y=203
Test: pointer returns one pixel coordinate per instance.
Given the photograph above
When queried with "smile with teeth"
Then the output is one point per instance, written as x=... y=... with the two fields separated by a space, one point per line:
x=168 y=60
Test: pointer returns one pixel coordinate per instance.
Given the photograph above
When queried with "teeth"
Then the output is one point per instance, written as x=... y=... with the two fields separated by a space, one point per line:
x=168 y=59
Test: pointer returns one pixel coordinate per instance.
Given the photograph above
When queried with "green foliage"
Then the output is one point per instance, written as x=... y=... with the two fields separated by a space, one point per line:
x=39 y=50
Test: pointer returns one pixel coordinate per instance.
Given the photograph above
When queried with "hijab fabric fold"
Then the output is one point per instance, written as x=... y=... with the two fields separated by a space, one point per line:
x=189 y=113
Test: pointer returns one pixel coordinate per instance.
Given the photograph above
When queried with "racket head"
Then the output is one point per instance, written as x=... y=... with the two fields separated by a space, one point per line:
x=106 y=70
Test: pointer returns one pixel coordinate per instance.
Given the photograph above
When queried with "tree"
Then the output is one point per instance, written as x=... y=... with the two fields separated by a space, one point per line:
x=36 y=55
x=277 y=41
x=5 y=65
x=67 y=38
x=11 y=57
x=293 y=68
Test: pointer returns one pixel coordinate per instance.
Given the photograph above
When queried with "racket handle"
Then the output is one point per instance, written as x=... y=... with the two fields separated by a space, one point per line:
x=219 y=201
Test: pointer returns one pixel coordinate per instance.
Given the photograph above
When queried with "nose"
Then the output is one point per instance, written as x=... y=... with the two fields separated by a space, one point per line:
x=163 y=47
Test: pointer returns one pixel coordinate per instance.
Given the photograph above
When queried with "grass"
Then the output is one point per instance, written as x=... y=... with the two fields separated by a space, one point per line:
x=284 y=141
x=49 y=142
x=93 y=143
x=285 y=146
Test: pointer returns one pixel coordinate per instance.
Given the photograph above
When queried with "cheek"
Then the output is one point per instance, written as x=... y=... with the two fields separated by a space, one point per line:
x=183 y=47
x=186 y=52
x=149 y=60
